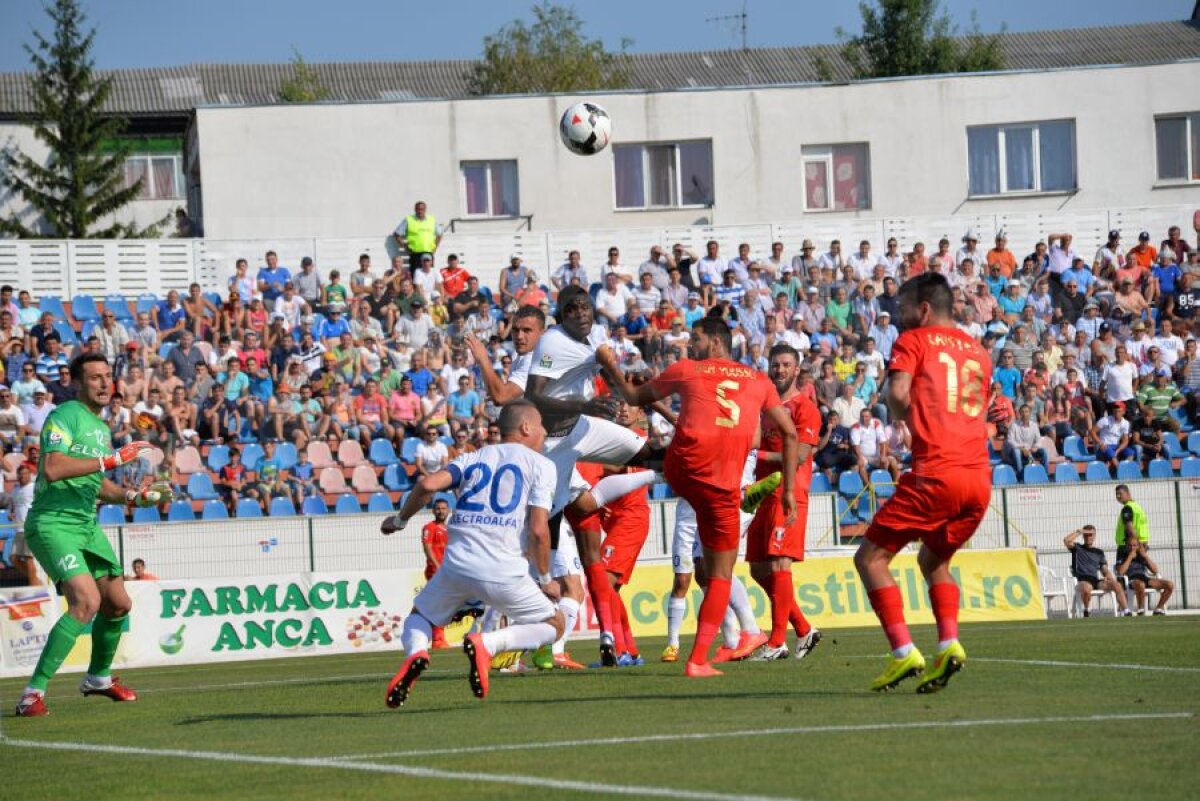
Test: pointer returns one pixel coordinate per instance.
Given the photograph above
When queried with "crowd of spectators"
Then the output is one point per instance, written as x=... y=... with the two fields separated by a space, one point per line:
x=1101 y=345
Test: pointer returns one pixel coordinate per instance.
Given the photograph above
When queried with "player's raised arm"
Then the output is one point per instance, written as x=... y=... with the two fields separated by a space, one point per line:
x=498 y=389
x=898 y=394
x=419 y=497
x=783 y=421
x=641 y=395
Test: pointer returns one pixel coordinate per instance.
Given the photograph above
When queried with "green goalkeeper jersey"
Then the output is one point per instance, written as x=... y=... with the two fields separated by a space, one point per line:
x=71 y=429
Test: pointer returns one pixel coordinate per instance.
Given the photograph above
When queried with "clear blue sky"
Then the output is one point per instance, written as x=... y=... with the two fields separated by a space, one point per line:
x=158 y=33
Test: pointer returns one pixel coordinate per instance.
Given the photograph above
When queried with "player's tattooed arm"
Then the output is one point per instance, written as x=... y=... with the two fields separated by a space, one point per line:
x=898 y=394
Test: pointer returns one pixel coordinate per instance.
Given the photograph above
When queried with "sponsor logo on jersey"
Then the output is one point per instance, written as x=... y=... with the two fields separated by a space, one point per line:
x=546 y=361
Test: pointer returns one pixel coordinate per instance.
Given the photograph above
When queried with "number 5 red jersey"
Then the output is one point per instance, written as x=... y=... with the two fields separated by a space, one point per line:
x=951 y=376
x=720 y=405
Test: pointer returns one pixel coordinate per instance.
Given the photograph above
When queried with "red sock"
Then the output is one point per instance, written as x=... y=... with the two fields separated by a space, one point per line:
x=781 y=606
x=943 y=597
x=795 y=616
x=799 y=621
x=630 y=643
x=889 y=607
x=439 y=634
x=601 y=592
x=618 y=630
x=712 y=612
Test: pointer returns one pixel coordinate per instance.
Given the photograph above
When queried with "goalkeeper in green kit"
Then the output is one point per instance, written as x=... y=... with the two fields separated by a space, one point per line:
x=62 y=532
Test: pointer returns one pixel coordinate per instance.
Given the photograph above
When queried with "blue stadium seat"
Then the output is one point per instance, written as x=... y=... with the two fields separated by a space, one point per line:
x=1160 y=468
x=380 y=502
x=180 y=511
x=218 y=457
x=287 y=455
x=314 y=505
x=850 y=484
x=65 y=332
x=200 y=488
x=83 y=308
x=282 y=507
x=214 y=510
x=1074 y=450
x=1171 y=446
x=1034 y=473
x=447 y=441
x=1065 y=473
x=112 y=515
x=395 y=478
x=146 y=303
x=1190 y=467
x=1180 y=414
x=819 y=483
x=54 y=305
x=214 y=298
x=165 y=349
x=382 y=453
x=248 y=507
x=443 y=496
x=8 y=538
x=660 y=491
x=88 y=328
x=408 y=450
x=845 y=514
x=146 y=514
x=251 y=454
x=881 y=480
x=119 y=308
x=347 y=505
x=1129 y=471
x=1193 y=443
x=1003 y=476
x=1097 y=471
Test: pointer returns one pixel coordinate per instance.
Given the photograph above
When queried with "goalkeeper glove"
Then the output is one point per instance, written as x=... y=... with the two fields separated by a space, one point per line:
x=154 y=495
x=124 y=455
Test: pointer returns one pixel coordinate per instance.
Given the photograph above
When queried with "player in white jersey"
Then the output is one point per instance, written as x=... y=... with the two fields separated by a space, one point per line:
x=529 y=322
x=580 y=428
x=686 y=556
x=499 y=541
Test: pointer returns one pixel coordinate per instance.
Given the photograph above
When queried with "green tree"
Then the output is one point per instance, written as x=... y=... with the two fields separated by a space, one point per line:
x=82 y=184
x=305 y=85
x=551 y=55
x=911 y=37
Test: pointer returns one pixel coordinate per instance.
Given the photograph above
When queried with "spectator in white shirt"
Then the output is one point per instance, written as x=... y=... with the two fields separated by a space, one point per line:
x=863 y=263
x=970 y=249
x=611 y=300
x=432 y=454
x=892 y=258
x=873 y=359
x=614 y=265
x=870 y=440
x=647 y=294
x=711 y=267
x=1120 y=377
x=833 y=259
x=1111 y=437
x=741 y=264
x=1169 y=344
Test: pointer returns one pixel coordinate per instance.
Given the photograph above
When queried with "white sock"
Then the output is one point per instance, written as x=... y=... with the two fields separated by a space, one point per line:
x=610 y=488
x=416 y=634
x=524 y=637
x=739 y=602
x=944 y=644
x=729 y=629
x=676 y=608
x=902 y=651
x=99 y=682
x=489 y=620
x=33 y=691
x=570 y=610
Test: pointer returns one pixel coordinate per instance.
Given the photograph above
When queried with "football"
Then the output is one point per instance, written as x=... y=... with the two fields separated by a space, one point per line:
x=585 y=129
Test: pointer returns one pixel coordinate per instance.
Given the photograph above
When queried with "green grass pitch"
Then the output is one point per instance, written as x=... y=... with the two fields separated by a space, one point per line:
x=1094 y=708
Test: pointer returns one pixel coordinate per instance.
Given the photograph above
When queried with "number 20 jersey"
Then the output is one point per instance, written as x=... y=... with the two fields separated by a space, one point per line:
x=495 y=486
x=951 y=377
x=720 y=405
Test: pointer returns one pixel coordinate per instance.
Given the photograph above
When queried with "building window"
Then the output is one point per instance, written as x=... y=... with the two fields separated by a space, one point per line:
x=675 y=175
x=1026 y=157
x=490 y=188
x=1177 y=142
x=837 y=177
x=161 y=174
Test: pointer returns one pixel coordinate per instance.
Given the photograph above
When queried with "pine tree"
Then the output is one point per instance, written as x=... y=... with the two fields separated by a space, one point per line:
x=910 y=37
x=82 y=184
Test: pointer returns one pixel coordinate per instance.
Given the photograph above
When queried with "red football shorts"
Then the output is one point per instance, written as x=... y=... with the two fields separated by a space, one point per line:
x=942 y=512
x=718 y=516
x=621 y=549
x=769 y=535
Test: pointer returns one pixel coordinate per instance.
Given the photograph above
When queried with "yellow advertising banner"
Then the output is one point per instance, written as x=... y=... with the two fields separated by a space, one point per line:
x=996 y=585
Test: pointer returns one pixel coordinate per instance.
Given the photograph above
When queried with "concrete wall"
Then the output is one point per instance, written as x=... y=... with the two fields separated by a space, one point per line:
x=355 y=170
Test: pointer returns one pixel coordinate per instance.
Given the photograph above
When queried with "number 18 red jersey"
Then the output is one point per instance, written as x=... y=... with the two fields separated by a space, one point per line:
x=951 y=375
x=720 y=405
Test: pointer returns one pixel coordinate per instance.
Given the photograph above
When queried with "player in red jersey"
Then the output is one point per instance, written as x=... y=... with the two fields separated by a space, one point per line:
x=938 y=379
x=433 y=543
x=720 y=405
x=771 y=544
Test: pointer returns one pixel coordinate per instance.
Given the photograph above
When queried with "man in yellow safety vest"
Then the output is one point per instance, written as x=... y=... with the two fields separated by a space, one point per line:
x=418 y=234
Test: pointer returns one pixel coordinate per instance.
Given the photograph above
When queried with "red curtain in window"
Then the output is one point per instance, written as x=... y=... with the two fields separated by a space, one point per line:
x=850 y=179
x=815 y=181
